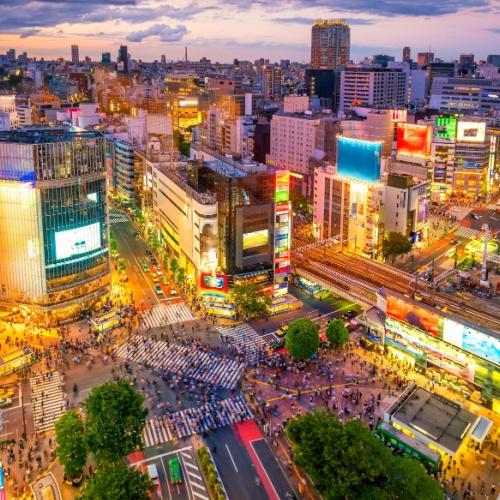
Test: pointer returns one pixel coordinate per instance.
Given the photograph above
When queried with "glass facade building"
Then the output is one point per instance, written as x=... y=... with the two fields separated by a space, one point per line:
x=53 y=221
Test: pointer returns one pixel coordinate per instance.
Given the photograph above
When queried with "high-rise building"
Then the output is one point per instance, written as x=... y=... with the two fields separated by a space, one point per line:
x=373 y=87
x=106 y=58
x=11 y=55
x=271 y=83
x=425 y=58
x=53 y=221
x=466 y=59
x=325 y=84
x=493 y=59
x=75 y=56
x=406 y=54
x=123 y=59
x=330 y=44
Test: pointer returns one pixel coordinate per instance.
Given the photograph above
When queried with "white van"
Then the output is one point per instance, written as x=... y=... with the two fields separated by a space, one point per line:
x=153 y=473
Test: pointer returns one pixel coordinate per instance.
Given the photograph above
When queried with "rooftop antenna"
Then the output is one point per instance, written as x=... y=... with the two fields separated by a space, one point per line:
x=185 y=54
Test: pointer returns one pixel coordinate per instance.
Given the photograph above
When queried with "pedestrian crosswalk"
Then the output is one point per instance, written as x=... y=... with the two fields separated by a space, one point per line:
x=468 y=232
x=115 y=217
x=193 y=474
x=493 y=205
x=163 y=314
x=47 y=400
x=185 y=423
x=195 y=362
x=242 y=336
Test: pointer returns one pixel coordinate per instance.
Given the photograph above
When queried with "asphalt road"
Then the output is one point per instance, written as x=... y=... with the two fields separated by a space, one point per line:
x=133 y=250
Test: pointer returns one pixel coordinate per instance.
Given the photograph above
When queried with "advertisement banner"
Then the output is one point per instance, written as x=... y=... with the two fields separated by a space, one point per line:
x=471 y=131
x=359 y=160
x=414 y=140
x=219 y=282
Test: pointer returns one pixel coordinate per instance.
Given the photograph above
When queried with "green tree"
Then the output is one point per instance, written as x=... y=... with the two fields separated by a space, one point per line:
x=302 y=339
x=117 y=481
x=181 y=277
x=71 y=447
x=348 y=461
x=250 y=301
x=174 y=265
x=115 y=420
x=337 y=333
x=395 y=244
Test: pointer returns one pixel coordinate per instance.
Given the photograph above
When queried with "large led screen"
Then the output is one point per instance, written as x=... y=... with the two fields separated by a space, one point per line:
x=445 y=127
x=282 y=186
x=255 y=239
x=78 y=240
x=411 y=314
x=218 y=282
x=471 y=131
x=358 y=159
x=414 y=140
x=472 y=340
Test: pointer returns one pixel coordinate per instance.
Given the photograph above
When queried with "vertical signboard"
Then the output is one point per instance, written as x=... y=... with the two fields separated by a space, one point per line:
x=282 y=232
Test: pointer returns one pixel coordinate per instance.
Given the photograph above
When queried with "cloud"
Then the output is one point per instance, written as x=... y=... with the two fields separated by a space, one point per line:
x=384 y=8
x=28 y=32
x=166 y=33
x=309 y=21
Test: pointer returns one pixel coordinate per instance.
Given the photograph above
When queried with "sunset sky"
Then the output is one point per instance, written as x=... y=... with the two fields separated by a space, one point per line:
x=226 y=29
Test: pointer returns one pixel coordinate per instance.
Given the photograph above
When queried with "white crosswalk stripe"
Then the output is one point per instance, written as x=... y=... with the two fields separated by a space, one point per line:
x=468 y=232
x=493 y=205
x=194 y=476
x=47 y=400
x=197 y=364
x=115 y=217
x=163 y=314
x=185 y=423
x=242 y=336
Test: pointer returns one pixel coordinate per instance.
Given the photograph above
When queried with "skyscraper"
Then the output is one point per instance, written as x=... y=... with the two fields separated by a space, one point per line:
x=106 y=58
x=75 y=56
x=425 y=58
x=271 y=83
x=406 y=54
x=123 y=59
x=330 y=44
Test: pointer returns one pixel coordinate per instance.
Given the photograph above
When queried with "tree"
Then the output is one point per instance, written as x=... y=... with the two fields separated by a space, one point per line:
x=115 y=420
x=395 y=244
x=116 y=481
x=71 y=447
x=302 y=339
x=348 y=461
x=174 y=265
x=250 y=301
x=181 y=277
x=337 y=333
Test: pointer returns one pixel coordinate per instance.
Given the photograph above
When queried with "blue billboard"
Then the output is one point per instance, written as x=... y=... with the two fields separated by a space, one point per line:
x=359 y=160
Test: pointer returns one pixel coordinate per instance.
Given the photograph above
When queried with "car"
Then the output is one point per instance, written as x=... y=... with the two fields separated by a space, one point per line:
x=153 y=473
x=173 y=292
x=153 y=261
x=164 y=280
x=159 y=271
x=149 y=252
x=174 y=469
x=158 y=290
x=155 y=278
x=5 y=402
x=475 y=216
x=145 y=267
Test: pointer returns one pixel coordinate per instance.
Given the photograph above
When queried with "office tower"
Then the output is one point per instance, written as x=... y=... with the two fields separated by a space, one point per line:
x=425 y=58
x=466 y=59
x=493 y=59
x=163 y=59
x=406 y=54
x=271 y=83
x=123 y=59
x=330 y=44
x=75 y=56
x=325 y=84
x=106 y=58
x=374 y=87
x=53 y=221
x=382 y=59
x=11 y=55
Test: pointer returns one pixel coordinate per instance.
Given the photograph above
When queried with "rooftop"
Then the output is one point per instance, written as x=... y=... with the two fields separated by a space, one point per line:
x=39 y=134
x=440 y=420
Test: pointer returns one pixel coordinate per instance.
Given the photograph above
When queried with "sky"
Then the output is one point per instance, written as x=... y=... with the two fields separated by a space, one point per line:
x=244 y=29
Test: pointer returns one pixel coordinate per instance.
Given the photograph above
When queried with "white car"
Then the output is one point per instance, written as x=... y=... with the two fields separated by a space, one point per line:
x=5 y=402
x=159 y=271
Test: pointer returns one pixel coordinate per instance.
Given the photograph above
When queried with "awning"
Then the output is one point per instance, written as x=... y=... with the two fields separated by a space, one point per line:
x=481 y=429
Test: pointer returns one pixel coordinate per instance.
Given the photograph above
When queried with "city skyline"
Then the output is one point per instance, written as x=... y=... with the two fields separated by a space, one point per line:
x=277 y=30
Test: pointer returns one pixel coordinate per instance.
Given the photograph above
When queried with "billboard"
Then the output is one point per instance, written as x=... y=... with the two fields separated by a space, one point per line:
x=359 y=160
x=78 y=240
x=414 y=140
x=218 y=282
x=471 y=340
x=445 y=127
x=282 y=186
x=414 y=315
x=471 y=131
x=255 y=239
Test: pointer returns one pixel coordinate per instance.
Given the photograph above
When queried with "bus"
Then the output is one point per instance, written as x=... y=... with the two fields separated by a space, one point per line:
x=409 y=446
x=221 y=309
x=174 y=468
x=103 y=323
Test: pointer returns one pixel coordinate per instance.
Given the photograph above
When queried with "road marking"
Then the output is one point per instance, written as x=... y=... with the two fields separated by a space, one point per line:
x=193 y=474
x=201 y=486
x=191 y=465
x=260 y=463
x=186 y=455
x=174 y=452
x=195 y=493
x=166 y=480
x=231 y=457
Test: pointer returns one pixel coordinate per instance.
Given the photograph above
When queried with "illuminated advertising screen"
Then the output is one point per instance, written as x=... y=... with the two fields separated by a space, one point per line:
x=472 y=340
x=471 y=131
x=411 y=314
x=255 y=239
x=218 y=282
x=78 y=240
x=445 y=127
x=282 y=186
x=358 y=159
x=414 y=140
